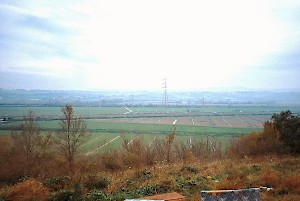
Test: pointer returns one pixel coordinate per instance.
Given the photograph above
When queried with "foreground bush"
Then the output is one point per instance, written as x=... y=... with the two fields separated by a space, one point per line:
x=258 y=143
x=288 y=126
x=28 y=190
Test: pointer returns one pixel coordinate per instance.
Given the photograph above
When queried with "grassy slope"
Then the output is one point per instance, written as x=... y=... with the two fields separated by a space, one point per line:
x=282 y=174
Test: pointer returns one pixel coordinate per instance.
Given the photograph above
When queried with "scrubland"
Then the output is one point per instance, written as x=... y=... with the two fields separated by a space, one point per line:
x=280 y=173
x=35 y=166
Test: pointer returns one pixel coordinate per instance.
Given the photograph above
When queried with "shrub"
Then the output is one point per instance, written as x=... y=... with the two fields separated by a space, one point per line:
x=288 y=126
x=189 y=169
x=144 y=175
x=111 y=161
x=67 y=195
x=58 y=183
x=29 y=189
x=132 y=160
x=95 y=182
x=96 y=195
x=258 y=143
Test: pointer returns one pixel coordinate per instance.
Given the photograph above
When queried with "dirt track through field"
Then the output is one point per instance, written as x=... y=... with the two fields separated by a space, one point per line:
x=91 y=152
x=132 y=140
x=152 y=141
x=226 y=122
x=128 y=110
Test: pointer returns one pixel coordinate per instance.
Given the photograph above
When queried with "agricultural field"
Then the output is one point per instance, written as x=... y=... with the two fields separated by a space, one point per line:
x=108 y=126
x=42 y=111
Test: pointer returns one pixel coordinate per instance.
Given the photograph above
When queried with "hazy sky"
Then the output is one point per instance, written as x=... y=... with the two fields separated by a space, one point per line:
x=134 y=44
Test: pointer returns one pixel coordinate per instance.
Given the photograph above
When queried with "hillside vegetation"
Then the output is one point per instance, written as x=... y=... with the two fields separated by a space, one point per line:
x=37 y=166
x=282 y=174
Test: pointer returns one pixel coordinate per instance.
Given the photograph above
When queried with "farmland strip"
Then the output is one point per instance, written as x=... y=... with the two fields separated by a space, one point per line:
x=226 y=122
x=246 y=121
x=211 y=122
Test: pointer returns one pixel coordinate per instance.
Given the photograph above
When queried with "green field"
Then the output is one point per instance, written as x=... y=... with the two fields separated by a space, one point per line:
x=138 y=128
x=99 y=142
x=56 y=111
x=94 y=111
x=108 y=125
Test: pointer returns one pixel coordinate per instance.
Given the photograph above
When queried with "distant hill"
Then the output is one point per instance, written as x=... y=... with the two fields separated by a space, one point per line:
x=107 y=98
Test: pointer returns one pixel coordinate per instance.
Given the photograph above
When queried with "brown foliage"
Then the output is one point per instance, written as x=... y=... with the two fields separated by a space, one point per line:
x=291 y=182
x=31 y=149
x=135 y=152
x=270 y=178
x=11 y=160
x=258 y=143
x=111 y=161
x=30 y=189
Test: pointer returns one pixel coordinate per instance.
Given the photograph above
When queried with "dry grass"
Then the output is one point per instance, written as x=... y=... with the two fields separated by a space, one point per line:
x=282 y=174
x=189 y=179
x=29 y=189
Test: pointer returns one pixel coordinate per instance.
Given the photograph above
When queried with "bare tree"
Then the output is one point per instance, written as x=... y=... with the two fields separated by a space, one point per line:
x=71 y=136
x=169 y=143
x=181 y=150
x=31 y=142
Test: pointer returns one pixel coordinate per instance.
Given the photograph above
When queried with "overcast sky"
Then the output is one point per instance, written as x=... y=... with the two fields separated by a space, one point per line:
x=134 y=44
